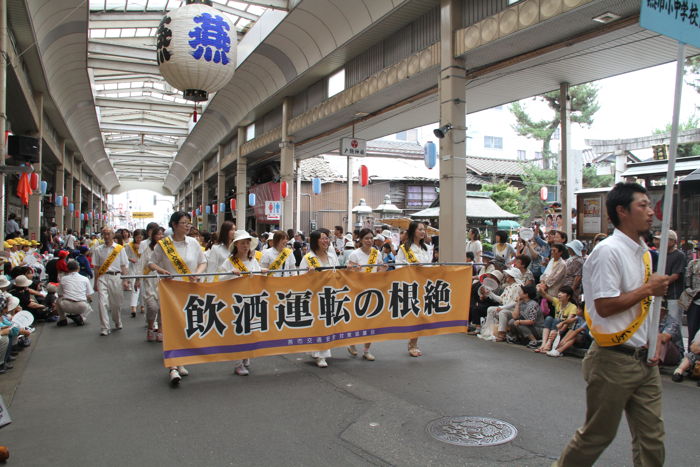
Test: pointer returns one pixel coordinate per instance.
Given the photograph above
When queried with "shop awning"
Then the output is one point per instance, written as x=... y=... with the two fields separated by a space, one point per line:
x=477 y=208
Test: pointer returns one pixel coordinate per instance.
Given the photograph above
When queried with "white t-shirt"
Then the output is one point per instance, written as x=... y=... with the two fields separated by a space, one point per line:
x=422 y=255
x=190 y=251
x=330 y=262
x=102 y=252
x=359 y=257
x=614 y=267
x=270 y=255
x=217 y=255
x=227 y=266
x=134 y=268
x=476 y=248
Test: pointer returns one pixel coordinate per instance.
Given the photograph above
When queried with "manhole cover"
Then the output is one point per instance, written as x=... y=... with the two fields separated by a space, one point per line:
x=472 y=431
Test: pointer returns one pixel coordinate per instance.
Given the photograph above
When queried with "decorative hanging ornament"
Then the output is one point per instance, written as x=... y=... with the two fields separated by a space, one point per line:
x=283 y=189
x=71 y=207
x=43 y=187
x=363 y=175
x=198 y=212
x=194 y=50
x=232 y=203
x=222 y=207
x=59 y=200
x=251 y=199
x=430 y=154
x=316 y=185
x=543 y=193
x=215 y=208
x=207 y=209
x=65 y=201
x=34 y=181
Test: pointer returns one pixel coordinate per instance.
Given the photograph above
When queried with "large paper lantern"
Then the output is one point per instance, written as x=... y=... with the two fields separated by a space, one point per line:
x=430 y=154
x=194 y=50
x=233 y=204
x=34 y=181
x=543 y=193
x=316 y=185
x=363 y=175
x=43 y=187
x=215 y=208
x=283 y=189
x=251 y=199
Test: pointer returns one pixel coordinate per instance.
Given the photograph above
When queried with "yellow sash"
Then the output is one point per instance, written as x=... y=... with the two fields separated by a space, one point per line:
x=258 y=255
x=620 y=337
x=134 y=249
x=312 y=261
x=175 y=259
x=410 y=255
x=110 y=259
x=373 y=255
x=280 y=260
x=238 y=264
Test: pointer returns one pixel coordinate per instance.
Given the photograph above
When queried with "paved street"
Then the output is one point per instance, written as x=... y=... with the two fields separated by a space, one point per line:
x=86 y=400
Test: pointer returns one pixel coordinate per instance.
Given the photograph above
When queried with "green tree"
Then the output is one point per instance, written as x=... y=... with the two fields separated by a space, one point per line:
x=591 y=179
x=688 y=149
x=584 y=105
x=534 y=179
x=506 y=196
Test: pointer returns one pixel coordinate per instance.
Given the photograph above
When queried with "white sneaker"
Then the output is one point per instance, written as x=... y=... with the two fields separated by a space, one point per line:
x=183 y=371
x=104 y=332
x=174 y=377
x=321 y=362
x=554 y=353
x=241 y=370
x=246 y=362
x=151 y=335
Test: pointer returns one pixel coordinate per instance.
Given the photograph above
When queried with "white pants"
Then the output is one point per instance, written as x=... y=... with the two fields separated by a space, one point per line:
x=134 y=296
x=321 y=354
x=111 y=298
x=675 y=311
x=69 y=307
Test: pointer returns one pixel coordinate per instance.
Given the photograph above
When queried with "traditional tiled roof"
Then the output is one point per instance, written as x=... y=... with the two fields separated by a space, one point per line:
x=493 y=166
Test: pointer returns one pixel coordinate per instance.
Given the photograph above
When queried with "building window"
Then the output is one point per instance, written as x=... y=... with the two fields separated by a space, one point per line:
x=538 y=156
x=419 y=197
x=402 y=136
x=493 y=142
x=522 y=155
x=250 y=132
x=556 y=134
x=336 y=82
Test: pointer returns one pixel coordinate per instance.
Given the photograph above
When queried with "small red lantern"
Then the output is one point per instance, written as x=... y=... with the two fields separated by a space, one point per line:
x=283 y=189
x=215 y=208
x=77 y=214
x=34 y=181
x=364 y=175
x=543 y=193
x=232 y=203
x=65 y=201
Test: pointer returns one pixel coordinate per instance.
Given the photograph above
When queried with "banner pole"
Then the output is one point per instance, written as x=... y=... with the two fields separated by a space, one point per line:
x=668 y=200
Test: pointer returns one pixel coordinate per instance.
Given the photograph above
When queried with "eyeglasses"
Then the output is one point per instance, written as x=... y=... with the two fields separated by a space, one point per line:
x=184 y=223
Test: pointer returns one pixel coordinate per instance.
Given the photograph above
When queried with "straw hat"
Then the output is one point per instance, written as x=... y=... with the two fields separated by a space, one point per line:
x=12 y=303
x=514 y=273
x=576 y=246
x=4 y=283
x=22 y=281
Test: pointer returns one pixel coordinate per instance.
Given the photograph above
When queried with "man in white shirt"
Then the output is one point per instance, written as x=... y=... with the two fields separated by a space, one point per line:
x=108 y=283
x=12 y=227
x=74 y=295
x=338 y=240
x=618 y=285
x=70 y=240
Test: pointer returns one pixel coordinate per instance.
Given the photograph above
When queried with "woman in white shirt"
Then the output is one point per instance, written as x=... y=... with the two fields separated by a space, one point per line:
x=474 y=244
x=190 y=253
x=503 y=249
x=222 y=249
x=278 y=257
x=414 y=250
x=241 y=260
x=135 y=268
x=149 y=287
x=319 y=257
x=365 y=255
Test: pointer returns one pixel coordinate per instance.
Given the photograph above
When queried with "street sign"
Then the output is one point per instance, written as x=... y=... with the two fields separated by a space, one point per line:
x=353 y=147
x=142 y=215
x=273 y=210
x=678 y=20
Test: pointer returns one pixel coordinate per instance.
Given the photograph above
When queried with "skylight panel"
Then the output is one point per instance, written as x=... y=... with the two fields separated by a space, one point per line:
x=157 y=5
x=243 y=23
x=143 y=32
x=115 y=5
x=96 y=5
x=97 y=33
x=128 y=32
x=256 y=9
x=239 y=5
x=136 y=5
x=112 y=33
x=111 y=86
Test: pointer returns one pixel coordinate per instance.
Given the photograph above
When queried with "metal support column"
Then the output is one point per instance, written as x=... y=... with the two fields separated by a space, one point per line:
x=205 y=200
x=60 y=189
x=287 y=167
x=220 y=187
x=241 y=182
x=78 y=196
x=3 y=116
x=566 y=181
x=69 y=164
x=35 y=198
x=91 y=206
x=453 y=170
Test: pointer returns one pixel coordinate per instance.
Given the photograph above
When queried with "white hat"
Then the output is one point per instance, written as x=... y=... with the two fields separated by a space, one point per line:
x=241 y=235
x=386 y=233
x=514 y=273
x=379 y=237
x=22 y=281
x=12 y=303
x=349 y=244
x=348 y=236
x=4 y=283
x=576 y=246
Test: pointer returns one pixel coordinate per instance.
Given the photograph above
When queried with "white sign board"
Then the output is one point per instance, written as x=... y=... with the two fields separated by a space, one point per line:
x=353 y=147
x=273 y=210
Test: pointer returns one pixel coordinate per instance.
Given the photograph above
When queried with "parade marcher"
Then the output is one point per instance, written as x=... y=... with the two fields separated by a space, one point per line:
x=691 y=294
x=319 y=256
x=675 y=268
x=360 y=257
x=221 y=249
x=149 y=287
x=110 y=261
x=278 y=257
x=242 y=260
x=618 y=283
x=179 y=254
x=74 y=296
x=413 y=251
x=133 y=253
